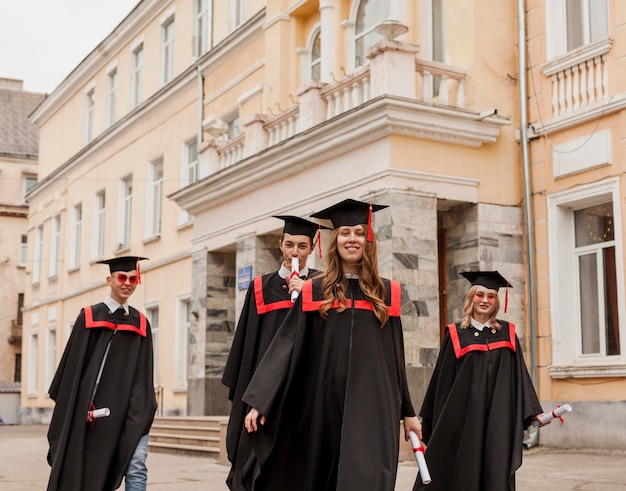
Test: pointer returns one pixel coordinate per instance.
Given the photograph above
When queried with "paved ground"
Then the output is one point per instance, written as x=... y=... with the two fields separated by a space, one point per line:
x=23 y=467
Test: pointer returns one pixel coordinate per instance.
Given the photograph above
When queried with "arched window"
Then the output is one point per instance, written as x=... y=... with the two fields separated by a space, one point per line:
x=369 y=14
x=316 y=57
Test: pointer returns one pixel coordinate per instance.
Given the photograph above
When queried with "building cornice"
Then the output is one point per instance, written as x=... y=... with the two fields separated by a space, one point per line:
x=378 y=118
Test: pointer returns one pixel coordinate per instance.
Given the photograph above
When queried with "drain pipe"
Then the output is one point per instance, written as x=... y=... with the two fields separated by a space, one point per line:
x=532 y=437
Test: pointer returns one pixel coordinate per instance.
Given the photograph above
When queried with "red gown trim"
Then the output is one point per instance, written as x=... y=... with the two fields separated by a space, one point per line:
x=90 y=323
x=261 y=306
x=460 y=352
x=310 y=305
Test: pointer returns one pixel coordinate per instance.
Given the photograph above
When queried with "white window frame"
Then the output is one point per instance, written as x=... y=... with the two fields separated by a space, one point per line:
x=33 y=363
x=149 y=310
x=23 y=250
x=137 y=75
x=38 y=253
x=30 y=181
x=189 y=172
x=556 y=27
x=167 y=49
x=55 y=246
x=567 y=359
x=183 y=325
x=125 y=212
x=154 y=205
x=236 y=13
x=353 y=16
x=76 y=235
x=203 y=26
x=51 y=355
x=90 y=113
x=111 y=99
x=99 y=224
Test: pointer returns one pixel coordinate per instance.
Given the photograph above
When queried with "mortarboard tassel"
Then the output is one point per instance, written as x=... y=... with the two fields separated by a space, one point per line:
x=506 y=298
x=370 y=235
x=319 y=239
x=138 y=273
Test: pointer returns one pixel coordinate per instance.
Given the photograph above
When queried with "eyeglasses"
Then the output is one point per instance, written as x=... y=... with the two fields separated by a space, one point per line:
x=123 y=278
x=490 y=297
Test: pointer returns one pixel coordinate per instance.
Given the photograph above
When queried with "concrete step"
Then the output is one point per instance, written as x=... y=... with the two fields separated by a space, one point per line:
x=198 y=435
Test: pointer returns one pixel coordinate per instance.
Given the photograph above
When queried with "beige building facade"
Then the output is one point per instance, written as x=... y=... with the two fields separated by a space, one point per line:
x=18 y=173
x=577 y=104
x=195 y=121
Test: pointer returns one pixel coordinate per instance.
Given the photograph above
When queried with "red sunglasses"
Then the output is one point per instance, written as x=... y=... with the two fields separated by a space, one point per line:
x=123 y=277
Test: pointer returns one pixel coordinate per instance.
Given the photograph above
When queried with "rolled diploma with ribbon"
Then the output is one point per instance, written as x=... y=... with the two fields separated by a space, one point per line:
x=295 y=271
x=556 y=413
x=417 y=448
x=98 y=413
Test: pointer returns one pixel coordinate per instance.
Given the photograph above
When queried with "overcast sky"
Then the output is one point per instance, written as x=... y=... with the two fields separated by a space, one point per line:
x=42 y=41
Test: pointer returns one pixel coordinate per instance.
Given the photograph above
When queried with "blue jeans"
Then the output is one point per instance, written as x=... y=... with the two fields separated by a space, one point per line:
x=137 y=472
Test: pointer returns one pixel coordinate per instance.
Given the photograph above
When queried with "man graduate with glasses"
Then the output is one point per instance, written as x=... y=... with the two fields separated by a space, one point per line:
x=104 y=392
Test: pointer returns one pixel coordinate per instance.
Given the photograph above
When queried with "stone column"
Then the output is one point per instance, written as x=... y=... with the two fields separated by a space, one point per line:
x=213 y=309
x=392 y=68
x=312 y=108
x=407 y=233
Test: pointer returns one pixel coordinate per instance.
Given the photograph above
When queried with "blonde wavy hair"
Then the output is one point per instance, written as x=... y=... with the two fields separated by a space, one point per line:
x=468 y=310
x=334 y=284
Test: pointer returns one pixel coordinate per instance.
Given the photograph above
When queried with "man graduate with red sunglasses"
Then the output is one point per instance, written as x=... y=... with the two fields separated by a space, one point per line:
x=104 y=392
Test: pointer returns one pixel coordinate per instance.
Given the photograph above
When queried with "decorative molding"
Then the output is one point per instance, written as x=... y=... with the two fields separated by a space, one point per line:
x=587 y=371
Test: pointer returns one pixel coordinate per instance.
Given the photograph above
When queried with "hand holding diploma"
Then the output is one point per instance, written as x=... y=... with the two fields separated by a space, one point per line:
x=97 y=413
x=418 y=449
x=557 y=413
x=295 y=271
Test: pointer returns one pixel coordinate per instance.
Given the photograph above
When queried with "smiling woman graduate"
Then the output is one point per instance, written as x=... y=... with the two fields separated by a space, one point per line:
x=480 y=397
x=331 y=390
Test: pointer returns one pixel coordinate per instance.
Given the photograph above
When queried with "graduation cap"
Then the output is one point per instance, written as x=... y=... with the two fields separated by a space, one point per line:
x=124 y=263
x=299 y=226
x=489 y=279
x=349 y=213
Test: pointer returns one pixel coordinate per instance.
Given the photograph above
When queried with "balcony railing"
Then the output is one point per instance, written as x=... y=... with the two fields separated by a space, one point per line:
x=580 y=79
x=351 y=91
x=282 y=126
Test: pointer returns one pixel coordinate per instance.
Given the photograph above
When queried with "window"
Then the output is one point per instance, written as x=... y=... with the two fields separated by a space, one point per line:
x=586 y=279
x=167 y=55
x=126 y=208
x=237 y=11
x=152 y=313
x=182 y=341
x=17 y=372
x=76 y=232
x=98 y=224
x=575 y=23
x=38 y=252
x=233 y=126
x=111 y=97
x=20 y=305
x=202 y=26
x=370 y=13
x=32 y=363
x=89 y=115
x=316 y=57
x=137 y=76
x=29 y=183
x=595 y=253
x=190 y=167
x=23 y=250
x=55 y=246
x=155 y=191
x=51 y=355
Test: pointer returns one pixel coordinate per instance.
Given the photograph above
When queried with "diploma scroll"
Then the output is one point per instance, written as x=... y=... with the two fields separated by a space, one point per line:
x=98 y=413
x=295 y=271
x=417 y=448
x=555 y=414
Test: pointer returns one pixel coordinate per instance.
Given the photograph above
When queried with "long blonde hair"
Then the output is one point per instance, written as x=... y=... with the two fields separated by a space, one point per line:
x=468 y=309
x=334 y=284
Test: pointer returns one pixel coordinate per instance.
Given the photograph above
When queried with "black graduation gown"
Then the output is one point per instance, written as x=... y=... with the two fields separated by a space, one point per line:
x=334 y=391
x=96 y=458
x=266 y=306
x=478 y=403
